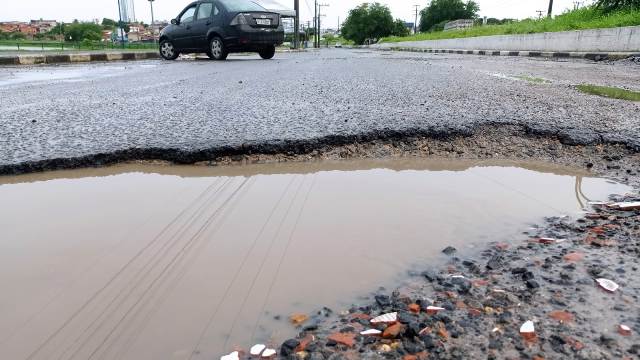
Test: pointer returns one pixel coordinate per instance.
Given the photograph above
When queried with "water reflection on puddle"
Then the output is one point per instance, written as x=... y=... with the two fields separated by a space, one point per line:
x=155 y=262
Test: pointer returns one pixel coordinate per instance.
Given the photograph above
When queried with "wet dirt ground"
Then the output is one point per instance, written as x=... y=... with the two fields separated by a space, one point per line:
x=153 y=261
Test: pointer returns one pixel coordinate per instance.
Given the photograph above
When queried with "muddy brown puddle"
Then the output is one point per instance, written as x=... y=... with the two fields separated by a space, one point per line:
x=185 y=262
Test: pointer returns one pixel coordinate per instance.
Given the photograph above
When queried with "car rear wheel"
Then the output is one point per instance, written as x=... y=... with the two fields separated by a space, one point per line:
x=216 y=49
x=168 y=51
x=268 y=52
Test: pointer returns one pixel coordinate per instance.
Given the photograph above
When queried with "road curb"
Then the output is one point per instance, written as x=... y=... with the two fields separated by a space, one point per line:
x=75 y=58
x=596 y=56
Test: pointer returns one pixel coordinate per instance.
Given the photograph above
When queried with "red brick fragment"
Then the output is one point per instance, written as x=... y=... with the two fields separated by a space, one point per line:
x=391 y=332
x=347 y=339
x=574 y=257
x=562 y=316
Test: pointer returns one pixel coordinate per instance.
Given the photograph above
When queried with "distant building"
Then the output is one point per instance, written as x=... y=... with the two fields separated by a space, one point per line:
x=44 y=26
x=410 y=26
x=20 y=27
x=107 y=35
x=458 y=24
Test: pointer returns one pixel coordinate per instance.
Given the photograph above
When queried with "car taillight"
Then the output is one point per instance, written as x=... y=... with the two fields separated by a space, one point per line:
x=239 y=20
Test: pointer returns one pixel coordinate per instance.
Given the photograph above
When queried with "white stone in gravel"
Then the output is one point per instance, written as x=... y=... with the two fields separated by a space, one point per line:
x=233 y=356
x=371 y=332
x=385 y=318
x=608 y=284
x=268 y=353
x=257 y=349
x=527 y=327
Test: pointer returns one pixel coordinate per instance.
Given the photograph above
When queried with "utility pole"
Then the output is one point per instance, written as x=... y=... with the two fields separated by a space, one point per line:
x=153 y=30
x=415 y=24
x=540 y=12
x=338 y=30
x=550 y=8
x=320 y=6
x=315 y=24
x=120 y=24
x=296 y=37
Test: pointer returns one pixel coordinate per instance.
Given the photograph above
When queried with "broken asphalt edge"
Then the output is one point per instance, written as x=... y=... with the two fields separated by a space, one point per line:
x=76 y=58
x=595 y=56
x=289 y=147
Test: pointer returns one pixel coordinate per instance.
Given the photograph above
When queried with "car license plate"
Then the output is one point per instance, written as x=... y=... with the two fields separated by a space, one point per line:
x=263 y=21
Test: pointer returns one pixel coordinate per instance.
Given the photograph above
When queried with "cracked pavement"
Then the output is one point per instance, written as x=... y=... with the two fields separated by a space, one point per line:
x=48 y=113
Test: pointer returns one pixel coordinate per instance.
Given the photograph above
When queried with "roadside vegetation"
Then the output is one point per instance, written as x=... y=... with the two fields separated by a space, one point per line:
x=603 y=15
x=75 y=35
x=610 y=92
x=371 y=22
x=533 y=79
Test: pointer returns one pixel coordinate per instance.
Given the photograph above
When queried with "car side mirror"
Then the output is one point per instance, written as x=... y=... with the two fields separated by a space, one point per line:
x=174 y=21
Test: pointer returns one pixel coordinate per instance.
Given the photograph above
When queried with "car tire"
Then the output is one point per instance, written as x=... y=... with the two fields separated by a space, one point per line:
x=168 y=51
x=268 y=52
x=216 y=49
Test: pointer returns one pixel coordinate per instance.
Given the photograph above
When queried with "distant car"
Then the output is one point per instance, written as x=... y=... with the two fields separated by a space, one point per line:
x=338 y=45
x=220 y=27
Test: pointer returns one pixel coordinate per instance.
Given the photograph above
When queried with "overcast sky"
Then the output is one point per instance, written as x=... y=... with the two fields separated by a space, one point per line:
x=68 y=10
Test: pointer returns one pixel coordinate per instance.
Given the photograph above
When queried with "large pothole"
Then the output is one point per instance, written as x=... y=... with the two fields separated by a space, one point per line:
x=153 y=261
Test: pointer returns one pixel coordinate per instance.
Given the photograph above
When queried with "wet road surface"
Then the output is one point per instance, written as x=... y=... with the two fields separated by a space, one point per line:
x=59 y=112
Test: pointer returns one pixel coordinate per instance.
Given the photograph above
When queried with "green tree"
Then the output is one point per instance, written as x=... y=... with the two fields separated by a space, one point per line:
x=610 y=5
x=126 y=27
x=441 y=11
x=108 y=23
x=400 y=28
x=78 y=31
x=368 y=21
x=17 y=36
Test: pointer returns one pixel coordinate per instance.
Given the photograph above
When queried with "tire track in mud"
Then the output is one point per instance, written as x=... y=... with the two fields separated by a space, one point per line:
x=239 y=269
x=264 y=260
x=194 y=255
x=189 y=221
x=96 y=260
x=194 y=220
x=171 y=263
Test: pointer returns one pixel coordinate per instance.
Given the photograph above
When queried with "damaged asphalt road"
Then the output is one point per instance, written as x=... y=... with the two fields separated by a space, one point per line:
x=188 y=111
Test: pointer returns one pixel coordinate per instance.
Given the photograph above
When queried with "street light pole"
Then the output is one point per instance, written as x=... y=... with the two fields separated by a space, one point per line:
x=315 y=24
x=120 y=24
x=296 y=25
x=550 y=8
x=415 y=23
x=153 y=30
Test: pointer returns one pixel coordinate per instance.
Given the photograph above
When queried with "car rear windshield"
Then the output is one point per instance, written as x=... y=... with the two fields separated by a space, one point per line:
x=241 y=5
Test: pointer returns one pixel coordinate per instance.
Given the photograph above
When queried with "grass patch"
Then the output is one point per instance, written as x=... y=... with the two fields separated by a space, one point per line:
x=610 y=92
x=581 y=19
x=535 y=80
